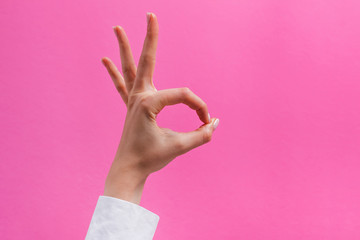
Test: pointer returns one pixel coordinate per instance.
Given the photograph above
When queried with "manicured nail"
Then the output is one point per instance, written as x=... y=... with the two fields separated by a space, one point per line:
x=216 y=123
x=148 y=17
x=209 y=117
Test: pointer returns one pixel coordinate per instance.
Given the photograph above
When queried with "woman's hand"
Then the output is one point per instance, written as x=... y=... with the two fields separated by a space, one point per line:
x=144 y=146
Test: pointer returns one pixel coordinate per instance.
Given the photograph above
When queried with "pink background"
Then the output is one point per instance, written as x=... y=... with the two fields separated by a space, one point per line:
x=282 y=76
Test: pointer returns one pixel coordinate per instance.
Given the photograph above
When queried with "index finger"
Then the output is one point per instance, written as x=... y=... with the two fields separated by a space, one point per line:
x=173 y=96
x=147 y=59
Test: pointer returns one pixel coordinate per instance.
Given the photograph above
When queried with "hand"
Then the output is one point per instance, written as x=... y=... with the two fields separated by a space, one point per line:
x=144 y=146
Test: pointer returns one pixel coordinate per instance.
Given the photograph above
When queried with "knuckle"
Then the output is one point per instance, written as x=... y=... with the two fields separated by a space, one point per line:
x=203 y=105
x=207 y=135
x=148 y=58
x=186 y=92
x=152 y=33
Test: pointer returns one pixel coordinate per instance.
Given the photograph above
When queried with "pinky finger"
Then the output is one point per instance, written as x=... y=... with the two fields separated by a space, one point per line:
x=118 y=80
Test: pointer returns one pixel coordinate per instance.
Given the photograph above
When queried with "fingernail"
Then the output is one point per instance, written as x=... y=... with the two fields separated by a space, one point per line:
x=114 y=28
x=209 y=117
x=148 y=17
x=216 y=123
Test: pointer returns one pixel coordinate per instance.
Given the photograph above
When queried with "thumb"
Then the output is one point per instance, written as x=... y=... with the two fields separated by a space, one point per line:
x=198 y=137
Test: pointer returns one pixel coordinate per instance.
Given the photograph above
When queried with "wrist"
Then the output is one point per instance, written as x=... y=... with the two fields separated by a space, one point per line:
x=125 y=183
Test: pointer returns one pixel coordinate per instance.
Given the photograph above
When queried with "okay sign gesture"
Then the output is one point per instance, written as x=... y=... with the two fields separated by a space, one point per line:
x=144 y=146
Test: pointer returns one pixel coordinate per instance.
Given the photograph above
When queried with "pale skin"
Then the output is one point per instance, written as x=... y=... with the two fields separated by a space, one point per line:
x=145 y=147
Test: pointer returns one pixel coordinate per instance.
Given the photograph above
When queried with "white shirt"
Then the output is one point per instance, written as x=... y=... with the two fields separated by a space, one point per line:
x=118 y=219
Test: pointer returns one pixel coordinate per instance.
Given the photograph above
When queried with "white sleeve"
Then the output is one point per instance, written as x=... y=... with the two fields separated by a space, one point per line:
x=115 y=218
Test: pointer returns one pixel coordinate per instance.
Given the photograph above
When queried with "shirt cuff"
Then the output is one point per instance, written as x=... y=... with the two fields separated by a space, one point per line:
x=115 y=218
